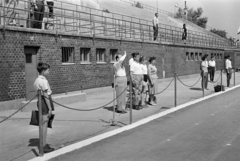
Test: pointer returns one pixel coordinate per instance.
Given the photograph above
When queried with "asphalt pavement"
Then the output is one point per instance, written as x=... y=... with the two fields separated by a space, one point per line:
x=206 y=131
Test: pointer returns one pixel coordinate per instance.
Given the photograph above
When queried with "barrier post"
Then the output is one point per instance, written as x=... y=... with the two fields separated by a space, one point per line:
x=221 y=80
x=175 y=90
x=40 y=121
x=130 y=95
x=203 y=84
x=114 y=96
x=234 y=79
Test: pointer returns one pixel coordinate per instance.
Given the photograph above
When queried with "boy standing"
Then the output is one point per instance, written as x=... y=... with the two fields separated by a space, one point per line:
x=41 y=83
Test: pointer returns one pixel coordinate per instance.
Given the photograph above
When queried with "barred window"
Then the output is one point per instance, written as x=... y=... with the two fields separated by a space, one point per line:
x=100 y=54
x=85 y=54
x=113 y=53
x=67 y=54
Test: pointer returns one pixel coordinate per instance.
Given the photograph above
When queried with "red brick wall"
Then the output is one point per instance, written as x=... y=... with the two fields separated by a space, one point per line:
x=72 y=77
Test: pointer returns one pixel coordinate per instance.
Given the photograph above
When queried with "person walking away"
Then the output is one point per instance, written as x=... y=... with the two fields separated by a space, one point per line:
x=143 y=62
x=155 y=26
x=136 y=77
x=204 y=72
x=121 y=83
x=41 y=83
x=228 y=69
x=39 y=9
x=184 y=34
x=212 y=68
x=153 y=84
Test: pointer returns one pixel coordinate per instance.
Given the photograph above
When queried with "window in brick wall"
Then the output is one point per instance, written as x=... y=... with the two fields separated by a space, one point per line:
x=212 y=55
x=196 y=56
x=67 y=54
x=187 y=56
x=218 y=57
x=200 y=56
x=100 y=54
x=85 y=54
x=28 y=58
x=215 y=56
x=113 y=53
x=192 y=56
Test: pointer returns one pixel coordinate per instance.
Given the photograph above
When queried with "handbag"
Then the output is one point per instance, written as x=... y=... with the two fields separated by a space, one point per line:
x=35 y=121
x=219 y=88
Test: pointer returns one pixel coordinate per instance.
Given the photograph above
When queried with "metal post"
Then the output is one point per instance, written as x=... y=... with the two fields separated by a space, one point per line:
x=4 y=5
x=175 y=90
x=130 y=95
x=221 y=80
x=203 y=84
x=234 y=79
x=40 y=118
x=114 y=96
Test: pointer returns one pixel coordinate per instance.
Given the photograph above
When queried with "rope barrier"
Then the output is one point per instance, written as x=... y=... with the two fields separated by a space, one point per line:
x=217 y=79
x=70 y=108
x=166 y=87
x=18 y=110
x=188 y=85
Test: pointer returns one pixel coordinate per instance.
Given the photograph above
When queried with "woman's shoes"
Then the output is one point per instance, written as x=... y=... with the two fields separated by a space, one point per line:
x=47 y=149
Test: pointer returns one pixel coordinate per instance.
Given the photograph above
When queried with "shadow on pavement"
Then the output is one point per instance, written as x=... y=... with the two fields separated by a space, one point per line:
x=196 y=89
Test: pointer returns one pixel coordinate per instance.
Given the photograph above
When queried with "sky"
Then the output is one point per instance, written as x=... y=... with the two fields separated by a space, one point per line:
x=222 y=14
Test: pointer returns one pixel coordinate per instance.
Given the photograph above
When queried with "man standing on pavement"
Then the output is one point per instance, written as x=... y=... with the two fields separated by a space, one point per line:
x=155 y=26
x=228 y=68
x=204 y=72
x=212 y=68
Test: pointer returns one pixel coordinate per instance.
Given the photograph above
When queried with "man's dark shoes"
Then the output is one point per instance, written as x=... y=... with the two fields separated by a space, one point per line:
x=47 y=149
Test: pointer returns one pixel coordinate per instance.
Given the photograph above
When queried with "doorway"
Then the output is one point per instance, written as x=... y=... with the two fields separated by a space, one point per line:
x=30 y=70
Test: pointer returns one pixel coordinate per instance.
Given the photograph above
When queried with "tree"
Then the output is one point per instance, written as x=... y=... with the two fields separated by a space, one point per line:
x=221 y=33
x=193 y=16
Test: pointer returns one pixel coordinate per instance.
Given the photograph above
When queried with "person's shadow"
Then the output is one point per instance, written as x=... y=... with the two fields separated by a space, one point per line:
x=34 y=142
x=196 y=89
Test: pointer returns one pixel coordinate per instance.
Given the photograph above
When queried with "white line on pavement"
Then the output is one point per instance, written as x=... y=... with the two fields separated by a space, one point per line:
x=97 y=138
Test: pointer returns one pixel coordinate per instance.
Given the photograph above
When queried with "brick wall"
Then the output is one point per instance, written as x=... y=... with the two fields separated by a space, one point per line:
x=72 y=77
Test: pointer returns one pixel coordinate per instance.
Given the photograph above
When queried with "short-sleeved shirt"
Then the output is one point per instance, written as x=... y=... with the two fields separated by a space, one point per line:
x=204 y=66
x=41 y=83
x=228 y=64
x=152 y=71
x=136 y=68
x=212 y=63
x=130 y=61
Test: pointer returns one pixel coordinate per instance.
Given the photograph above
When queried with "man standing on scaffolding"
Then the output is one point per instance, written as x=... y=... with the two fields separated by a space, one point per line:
x=39 y=9
x=155 y=26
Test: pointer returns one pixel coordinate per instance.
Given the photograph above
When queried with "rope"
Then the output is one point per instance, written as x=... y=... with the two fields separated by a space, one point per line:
x=165 y=88
x=18 y=110
x=188 y=85
x=87 y=109
x=217 y=79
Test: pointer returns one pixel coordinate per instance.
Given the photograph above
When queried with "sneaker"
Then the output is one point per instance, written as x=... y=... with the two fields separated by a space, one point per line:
x=207 y=89
x=47 y=149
